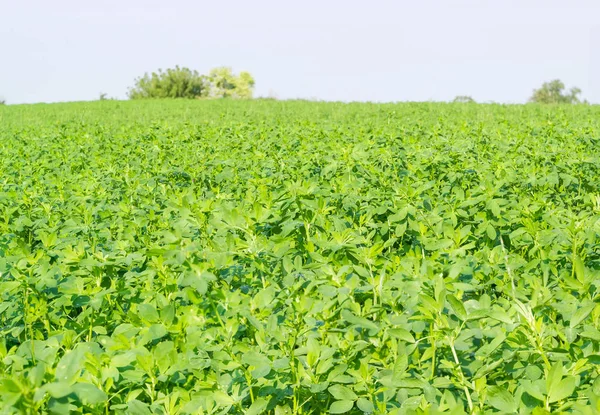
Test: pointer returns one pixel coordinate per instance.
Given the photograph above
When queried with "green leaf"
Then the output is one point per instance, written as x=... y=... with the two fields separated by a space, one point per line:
x=502 y=400
x=359 y=321
x=500 y=315
x=258 y=407
x=148 y=312
x=591 y=333
x=494 y=207
x=439 y=245
x=580 y=315
x=261 y=363
x=490 y=231
x=563 y=389
x=58 y=389
x=89 y=394
x=70 y=365
x=596 y=386
x=365 y=405
x=283 y=410
x=579 y=269
x=554 y=376
x=430 y=303
x=221 y=398
x=342 y=393
x=457 y=307
x=255 y=359
x=439 y=289
x=535 y=389
x=154 y=332
x=341 y=407
x=135 y=407
x=402 y=334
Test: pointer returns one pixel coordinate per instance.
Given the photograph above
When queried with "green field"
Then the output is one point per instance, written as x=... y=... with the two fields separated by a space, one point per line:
x=221 y=257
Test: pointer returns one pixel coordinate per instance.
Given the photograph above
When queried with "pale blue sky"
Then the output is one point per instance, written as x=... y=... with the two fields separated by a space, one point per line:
x=493 y=50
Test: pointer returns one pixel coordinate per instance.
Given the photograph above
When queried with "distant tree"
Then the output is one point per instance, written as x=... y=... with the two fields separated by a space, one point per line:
x=2 y=101
x=225 y=84
x=172 y=83
x=245 y=85
x=553 y=92
x=103 y=96
x=463 y=99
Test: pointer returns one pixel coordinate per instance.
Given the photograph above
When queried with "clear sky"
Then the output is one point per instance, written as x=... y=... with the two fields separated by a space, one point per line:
x=493 y=50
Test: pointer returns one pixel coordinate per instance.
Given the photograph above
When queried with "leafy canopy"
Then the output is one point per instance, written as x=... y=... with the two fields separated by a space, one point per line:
x=186 y=83
x=553 y=92
x=172 y=83
x=225 y=84
x=244 y=258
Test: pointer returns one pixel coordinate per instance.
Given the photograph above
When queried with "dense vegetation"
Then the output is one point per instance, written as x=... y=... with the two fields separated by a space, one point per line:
x=554 y=92
x=187 y=83
x=212 y=257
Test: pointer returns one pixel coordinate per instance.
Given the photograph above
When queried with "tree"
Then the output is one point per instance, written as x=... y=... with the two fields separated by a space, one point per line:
x=225 y=84
x=186 y=83
x=245 y=85
x=553 y=92
x=463 y=99
x=172 y=83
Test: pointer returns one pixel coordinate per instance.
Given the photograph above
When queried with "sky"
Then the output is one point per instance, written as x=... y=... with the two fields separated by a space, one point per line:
x=381 y=51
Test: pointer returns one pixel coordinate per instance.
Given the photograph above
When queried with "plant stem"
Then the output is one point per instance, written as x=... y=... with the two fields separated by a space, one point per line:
x=508 y=270
x=462 y=375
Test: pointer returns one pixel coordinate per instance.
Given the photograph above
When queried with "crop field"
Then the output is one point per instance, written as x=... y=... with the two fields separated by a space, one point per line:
x=222 y=257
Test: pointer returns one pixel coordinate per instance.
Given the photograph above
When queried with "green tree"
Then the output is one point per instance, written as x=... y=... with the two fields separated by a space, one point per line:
x=553 y=92
x=172 y=83
x=463 y=99
x=225 y=84
x=245 y=85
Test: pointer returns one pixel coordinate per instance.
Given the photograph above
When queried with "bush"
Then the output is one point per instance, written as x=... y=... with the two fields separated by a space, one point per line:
x=464 y=99
x=553 y=92
x=186 y=83
x=172 y=83
x=224 y=84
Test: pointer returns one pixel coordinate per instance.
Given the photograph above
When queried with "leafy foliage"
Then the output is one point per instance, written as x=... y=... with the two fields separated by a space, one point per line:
x=167 y=257
x=225 y=84
x=172 y=83
x=553 y=92
x=104 y=97
x=187 y=83
x=465 y=99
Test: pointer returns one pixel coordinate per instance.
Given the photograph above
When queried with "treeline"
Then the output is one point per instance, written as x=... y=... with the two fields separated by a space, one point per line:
x=186 y=83
x=222 y=82
x=553 y=92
